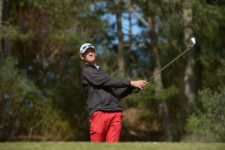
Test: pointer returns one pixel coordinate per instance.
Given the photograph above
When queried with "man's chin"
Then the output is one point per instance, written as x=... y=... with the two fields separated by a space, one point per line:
x=91 y=62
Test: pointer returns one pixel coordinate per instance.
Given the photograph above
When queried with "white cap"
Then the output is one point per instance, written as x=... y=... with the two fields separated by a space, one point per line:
x=85 y=46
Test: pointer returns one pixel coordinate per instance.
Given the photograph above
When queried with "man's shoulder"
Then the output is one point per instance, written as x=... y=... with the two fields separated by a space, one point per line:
x=88 y=68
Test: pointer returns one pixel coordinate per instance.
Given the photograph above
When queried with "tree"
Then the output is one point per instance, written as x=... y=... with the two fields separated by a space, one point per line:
x=204 y=123
x=189 y=77
x=121 y=63
x=49 y=55
x=207 y=123
x=151 y=12
x=40 y=75
x=1 y=10
x=25 y=113
x=4 y=16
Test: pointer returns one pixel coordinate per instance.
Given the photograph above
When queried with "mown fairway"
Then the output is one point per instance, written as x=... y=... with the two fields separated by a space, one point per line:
x=119 y=146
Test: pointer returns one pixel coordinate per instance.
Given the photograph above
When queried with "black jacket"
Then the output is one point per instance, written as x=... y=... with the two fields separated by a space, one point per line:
x=103 y=92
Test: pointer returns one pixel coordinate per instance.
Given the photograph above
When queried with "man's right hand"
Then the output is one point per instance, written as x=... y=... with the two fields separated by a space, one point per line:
x=138 y=83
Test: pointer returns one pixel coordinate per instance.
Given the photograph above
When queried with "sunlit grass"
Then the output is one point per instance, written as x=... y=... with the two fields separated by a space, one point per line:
x=112 y=146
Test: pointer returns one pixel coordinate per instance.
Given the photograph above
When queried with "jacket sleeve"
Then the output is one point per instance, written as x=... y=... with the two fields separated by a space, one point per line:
x=99 y=78
x=123 y=92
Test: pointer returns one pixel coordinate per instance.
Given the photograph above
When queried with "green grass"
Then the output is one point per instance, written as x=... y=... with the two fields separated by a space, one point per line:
x=107 y=146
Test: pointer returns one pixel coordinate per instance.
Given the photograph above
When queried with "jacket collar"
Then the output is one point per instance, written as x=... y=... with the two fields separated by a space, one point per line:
x=95 y=66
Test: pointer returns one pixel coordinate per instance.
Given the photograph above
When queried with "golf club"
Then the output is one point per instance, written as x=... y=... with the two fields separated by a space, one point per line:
x=192 y=43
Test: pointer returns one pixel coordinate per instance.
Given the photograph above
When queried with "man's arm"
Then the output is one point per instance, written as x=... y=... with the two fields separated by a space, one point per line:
x=98 y=78
x=136 y=84
x=123 y=92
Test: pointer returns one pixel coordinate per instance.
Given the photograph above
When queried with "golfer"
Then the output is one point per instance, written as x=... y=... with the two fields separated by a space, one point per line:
x=103 y=94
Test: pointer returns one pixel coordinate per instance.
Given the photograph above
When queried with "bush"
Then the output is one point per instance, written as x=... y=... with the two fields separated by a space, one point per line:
x=26 y=112
x=208 y=123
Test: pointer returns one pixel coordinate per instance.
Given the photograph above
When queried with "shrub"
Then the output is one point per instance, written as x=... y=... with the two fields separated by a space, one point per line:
x=208 y=123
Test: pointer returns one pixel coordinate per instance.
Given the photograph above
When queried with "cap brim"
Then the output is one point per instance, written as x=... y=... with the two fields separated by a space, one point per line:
x=87 y=49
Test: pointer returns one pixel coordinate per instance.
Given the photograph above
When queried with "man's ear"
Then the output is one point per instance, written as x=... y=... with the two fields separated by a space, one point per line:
x=81 y=57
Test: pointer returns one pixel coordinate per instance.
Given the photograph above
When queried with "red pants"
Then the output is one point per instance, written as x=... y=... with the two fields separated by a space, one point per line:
x=105 y=126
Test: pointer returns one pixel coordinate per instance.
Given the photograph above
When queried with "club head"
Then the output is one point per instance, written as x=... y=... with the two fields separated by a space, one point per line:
x=193 y=41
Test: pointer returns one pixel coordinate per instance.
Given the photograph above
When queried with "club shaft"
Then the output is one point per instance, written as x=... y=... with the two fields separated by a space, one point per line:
x=152 y=77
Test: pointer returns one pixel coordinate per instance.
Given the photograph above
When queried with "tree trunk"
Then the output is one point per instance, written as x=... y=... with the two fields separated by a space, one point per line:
x=1 y=10
x=163 y=110
x=1 y=15
x=129 y=8
x=189 y=77
x=4 y=6
x=121 y=62
x=5 y=122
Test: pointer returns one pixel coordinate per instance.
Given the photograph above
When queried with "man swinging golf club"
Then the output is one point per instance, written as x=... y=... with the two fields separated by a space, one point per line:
x=103 y=94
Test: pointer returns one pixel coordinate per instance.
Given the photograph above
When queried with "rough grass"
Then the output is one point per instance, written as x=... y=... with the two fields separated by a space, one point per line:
x=112 y=146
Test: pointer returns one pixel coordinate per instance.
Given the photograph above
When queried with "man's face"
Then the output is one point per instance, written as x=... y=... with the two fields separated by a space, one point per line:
x=89 y=56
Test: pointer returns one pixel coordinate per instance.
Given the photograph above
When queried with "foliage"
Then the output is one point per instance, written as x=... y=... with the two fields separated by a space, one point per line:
x=207 y=119
x=39 y=72
x=146 y=105
x=208 y=123
x=25 y=111
x=45 y=37
x=147 y=97
x=13 y=33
